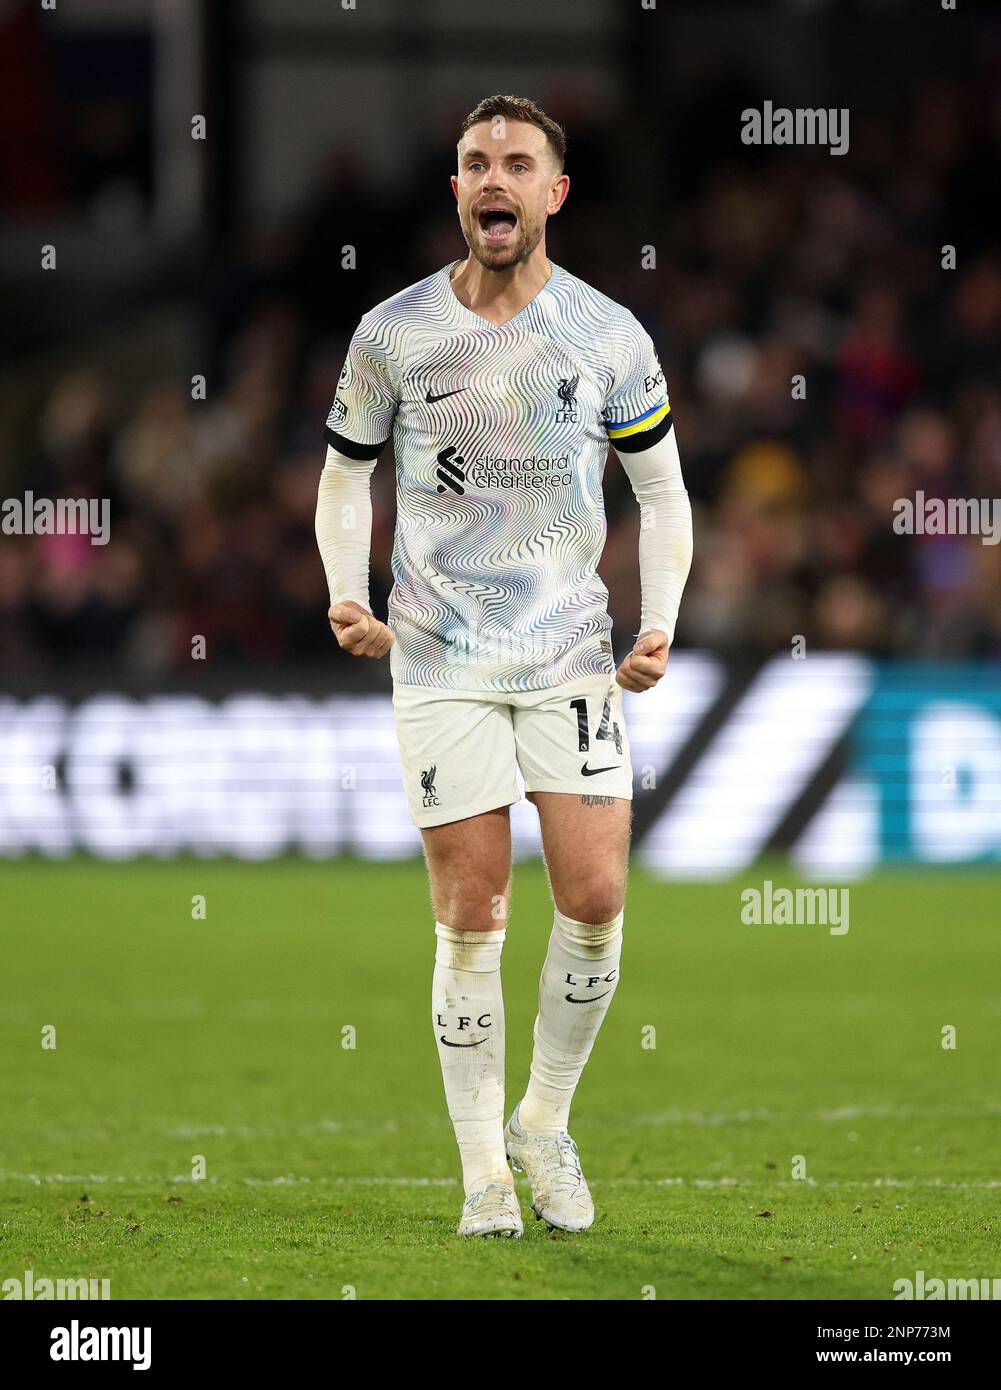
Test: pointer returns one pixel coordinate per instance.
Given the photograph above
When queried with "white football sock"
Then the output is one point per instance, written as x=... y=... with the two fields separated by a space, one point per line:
x=468 y=1014
x=578 y=981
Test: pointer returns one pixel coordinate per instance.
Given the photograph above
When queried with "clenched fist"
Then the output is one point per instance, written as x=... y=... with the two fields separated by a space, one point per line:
x=646 y=663
x=357 y=631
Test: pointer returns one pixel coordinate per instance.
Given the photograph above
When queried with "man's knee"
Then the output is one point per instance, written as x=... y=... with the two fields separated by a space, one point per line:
x=469 y=866
x=471 y=896
x=472 y=910
x=592 y=901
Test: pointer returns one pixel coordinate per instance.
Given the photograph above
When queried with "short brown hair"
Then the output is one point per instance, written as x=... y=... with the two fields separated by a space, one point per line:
x=520 y=109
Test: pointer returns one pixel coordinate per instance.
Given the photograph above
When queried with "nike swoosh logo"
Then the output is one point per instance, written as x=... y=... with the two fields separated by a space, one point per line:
x=571 y=1000
x=475 y=1044
x=593 y=771
x=431 y=399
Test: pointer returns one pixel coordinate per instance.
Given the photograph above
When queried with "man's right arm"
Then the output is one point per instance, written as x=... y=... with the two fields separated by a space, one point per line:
x=358 y=429
x=344 y=536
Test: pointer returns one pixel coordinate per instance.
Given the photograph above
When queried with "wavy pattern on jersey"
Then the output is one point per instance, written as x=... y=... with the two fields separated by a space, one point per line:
x=499 y=503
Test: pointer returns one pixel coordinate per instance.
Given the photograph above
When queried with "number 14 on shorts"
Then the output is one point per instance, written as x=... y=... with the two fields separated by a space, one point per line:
x=602 y=732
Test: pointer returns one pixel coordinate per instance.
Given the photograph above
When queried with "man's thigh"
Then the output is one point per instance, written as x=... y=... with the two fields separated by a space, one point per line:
x=573 y=739
x=585 y=838
x=573 y=751
x=469 y=870
x=459 y=765
x=457 y=752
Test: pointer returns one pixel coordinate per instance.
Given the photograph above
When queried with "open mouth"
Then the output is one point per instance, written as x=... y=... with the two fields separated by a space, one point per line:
x=497 y=223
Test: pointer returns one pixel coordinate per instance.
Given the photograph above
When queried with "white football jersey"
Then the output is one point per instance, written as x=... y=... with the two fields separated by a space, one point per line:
x=501 y=435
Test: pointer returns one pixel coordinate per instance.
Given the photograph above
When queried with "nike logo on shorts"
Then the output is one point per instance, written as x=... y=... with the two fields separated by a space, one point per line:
x=593 y=771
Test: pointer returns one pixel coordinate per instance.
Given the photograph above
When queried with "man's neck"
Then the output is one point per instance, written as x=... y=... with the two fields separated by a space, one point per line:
x=497 y=295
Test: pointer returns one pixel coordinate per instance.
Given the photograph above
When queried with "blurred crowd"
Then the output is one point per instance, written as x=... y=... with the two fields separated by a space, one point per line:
x=822 y=363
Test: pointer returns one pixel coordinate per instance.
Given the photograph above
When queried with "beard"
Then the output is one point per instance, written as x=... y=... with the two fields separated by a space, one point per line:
x=517 y=250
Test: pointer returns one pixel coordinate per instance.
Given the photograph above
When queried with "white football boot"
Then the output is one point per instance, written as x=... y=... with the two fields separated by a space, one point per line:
x=491 y=1210
x=560 y=1194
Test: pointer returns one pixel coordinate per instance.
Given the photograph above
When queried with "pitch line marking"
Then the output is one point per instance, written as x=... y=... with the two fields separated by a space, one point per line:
x=376 y=1180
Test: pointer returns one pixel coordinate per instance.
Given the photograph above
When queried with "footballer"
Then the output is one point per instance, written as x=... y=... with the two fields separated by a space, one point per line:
x=501 y=380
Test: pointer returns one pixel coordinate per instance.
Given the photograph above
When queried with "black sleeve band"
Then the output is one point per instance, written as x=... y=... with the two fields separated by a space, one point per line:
x=646 y=439
x=351 y=450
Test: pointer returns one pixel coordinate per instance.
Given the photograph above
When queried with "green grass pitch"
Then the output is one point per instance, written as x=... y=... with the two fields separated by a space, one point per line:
x=332 y=1169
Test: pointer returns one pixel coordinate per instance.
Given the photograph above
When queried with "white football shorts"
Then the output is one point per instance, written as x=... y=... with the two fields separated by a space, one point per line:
x=461 y=750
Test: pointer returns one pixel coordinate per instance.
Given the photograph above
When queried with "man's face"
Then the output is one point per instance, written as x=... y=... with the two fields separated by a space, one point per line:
x=507 y=185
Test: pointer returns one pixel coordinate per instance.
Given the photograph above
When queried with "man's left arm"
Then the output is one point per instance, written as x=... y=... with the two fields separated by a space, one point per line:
x=640 y=429
x=665 y=556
